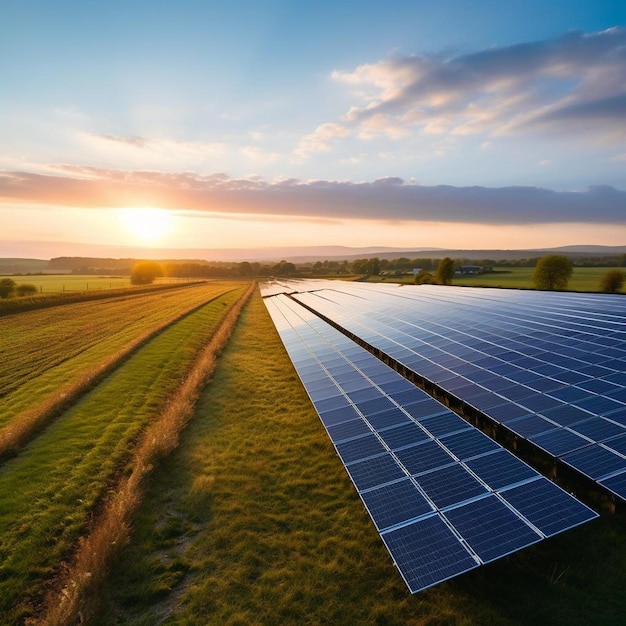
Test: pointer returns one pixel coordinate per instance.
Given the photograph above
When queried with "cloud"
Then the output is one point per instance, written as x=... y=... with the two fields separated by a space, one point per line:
x=321 y=140
x=137 y=142
x=572 y=84
x=389 y=199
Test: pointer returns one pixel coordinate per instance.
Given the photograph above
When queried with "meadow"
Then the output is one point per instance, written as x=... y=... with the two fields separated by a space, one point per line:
x=54 y=283
x=251 y=518
x=584 y=279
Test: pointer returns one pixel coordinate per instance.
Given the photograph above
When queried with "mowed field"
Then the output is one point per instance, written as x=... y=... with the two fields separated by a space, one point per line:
x=54 y=283
x=251 y=519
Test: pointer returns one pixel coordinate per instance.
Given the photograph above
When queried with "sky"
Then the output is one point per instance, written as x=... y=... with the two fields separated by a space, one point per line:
x=411 y=124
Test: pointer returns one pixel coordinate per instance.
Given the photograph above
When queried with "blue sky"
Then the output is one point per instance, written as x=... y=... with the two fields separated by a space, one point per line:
x=461 y=124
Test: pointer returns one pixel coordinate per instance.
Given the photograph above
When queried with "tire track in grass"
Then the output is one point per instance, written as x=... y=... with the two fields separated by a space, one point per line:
x=77 y=600
x=33 y=420
x=49 y=491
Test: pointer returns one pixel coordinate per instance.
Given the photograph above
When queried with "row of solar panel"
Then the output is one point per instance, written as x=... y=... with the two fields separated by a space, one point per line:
x=573 y=408
x=444 y=497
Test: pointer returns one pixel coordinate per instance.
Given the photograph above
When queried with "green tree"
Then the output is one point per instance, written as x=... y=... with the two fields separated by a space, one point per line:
x=373 y=266
x=26 y=289
x=7 y=287
x=552 y=272
x=612 y=281
x=144 y=272
x=424 y=277
x=445 y=271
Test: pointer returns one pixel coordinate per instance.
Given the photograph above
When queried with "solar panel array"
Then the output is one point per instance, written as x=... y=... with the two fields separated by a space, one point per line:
x=444 y=497
x=550 y=367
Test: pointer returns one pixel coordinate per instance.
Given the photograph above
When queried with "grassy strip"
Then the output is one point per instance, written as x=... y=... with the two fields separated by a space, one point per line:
x=28 y=423
x=10 y=306
x=36 y=341
x=43 y=351
x=253 y=520
x=110 y=533
x=50 y=490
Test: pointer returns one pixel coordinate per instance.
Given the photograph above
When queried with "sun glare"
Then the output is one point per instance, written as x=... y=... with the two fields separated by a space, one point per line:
x=147 y=224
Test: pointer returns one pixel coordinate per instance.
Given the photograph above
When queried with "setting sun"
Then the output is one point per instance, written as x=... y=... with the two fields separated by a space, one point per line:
x=149 y=225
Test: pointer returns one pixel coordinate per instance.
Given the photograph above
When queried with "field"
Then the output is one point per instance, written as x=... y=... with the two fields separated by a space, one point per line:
x=251 y=519
x=56 y=482
x=54 y=283
x=583 y=278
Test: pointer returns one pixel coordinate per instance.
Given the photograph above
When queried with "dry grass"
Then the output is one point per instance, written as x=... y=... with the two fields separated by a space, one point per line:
x=78 y=599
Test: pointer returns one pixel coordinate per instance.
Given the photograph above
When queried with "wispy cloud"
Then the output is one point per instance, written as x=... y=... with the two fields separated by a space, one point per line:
x=390 y=199
x=321 y=140
x=572 y=84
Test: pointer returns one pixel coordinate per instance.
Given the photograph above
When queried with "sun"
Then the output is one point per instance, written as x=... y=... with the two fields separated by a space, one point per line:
x=149 y=225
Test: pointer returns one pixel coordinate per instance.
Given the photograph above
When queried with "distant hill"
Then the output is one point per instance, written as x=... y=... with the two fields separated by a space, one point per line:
x=304 y=254
x=23 y=266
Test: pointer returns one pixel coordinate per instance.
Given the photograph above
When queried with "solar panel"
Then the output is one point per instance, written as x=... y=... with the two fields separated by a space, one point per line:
x=491 y=528
x=616 y=484
x=424 y=457
x=450 y=485
x=395 y=503
x=500 y=469
x=530 y=355
x=411 y=459
x=373 y=472
x=427 y=552
x=469 y=443
x=348 y=430
x=548 y=507
x=403 y=435
x=595 y=461
x=360 y=448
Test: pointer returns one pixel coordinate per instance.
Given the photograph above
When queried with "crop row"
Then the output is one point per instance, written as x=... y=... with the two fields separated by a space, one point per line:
x=41 y=351
x=49 y=491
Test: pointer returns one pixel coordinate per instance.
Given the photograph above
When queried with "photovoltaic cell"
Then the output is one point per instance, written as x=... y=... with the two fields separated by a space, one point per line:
x=395 y=503
x=427 y=552
x=348 y=430
x=616 y=484
x=404 y=435
x=547 y=506
x=560 y=441
x=450 y=485
x=469 y=443
x=491 y=528
x=424 y=457
x=501 y=469
x=595 y=461
x=374 y=472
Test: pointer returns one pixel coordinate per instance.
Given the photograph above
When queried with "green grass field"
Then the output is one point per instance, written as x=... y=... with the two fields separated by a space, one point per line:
x=583 y=278
x=54 y=283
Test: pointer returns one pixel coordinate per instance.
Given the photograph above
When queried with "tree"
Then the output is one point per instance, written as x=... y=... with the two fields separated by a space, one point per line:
x=552 y=272
x=7 y=287
x=424 y=277
x=26 y=289
x=144 y=272
x=612 y=281
x=445 y=271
